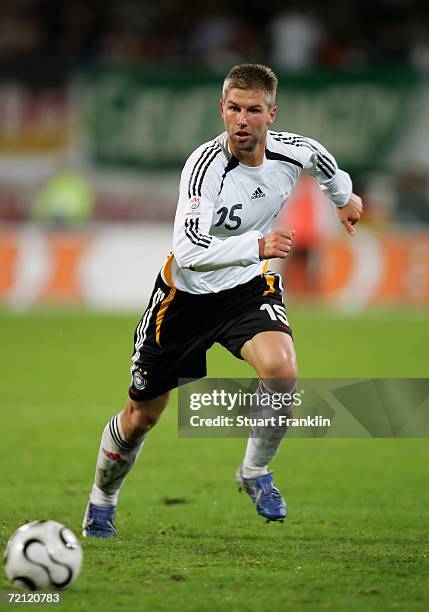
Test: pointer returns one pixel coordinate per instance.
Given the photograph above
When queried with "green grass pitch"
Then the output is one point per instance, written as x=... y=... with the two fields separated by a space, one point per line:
x=357 y=533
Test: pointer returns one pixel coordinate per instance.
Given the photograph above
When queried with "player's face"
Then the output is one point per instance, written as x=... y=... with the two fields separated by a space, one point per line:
x=246 y=116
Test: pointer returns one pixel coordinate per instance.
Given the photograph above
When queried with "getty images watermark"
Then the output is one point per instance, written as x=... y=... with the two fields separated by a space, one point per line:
x=265 y=409
x=314 y=408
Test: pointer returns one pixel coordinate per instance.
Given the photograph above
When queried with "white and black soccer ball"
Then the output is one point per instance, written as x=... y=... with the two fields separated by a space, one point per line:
x=43 y=555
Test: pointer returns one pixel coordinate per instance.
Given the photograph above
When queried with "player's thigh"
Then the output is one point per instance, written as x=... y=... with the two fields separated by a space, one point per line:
x=169 y=344
x=272 y=355
x=258 y=329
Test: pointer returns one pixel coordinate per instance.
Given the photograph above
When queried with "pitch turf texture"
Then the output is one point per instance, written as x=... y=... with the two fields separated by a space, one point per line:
x=357 y=534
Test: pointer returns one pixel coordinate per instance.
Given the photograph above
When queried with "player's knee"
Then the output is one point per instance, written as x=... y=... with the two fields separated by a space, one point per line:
x=280 y=372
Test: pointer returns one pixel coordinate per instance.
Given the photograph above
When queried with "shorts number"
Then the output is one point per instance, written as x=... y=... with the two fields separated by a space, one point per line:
x=223 y=212
x=276 y=313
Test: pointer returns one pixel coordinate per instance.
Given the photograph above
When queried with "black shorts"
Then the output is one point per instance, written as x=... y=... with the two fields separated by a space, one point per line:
x=177 y=328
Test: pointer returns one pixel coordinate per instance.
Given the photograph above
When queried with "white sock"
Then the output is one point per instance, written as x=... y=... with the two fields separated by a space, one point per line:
x=260 y=451
x=115 y=459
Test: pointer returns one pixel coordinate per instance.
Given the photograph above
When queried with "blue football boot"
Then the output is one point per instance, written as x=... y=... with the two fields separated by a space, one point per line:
x=267 y=499
x=99 y=521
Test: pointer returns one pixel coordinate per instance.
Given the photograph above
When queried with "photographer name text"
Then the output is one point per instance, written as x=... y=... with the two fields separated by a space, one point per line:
x=279 y=420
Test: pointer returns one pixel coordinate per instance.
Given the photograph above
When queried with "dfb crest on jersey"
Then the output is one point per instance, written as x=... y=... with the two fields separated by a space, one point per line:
x=139 y=381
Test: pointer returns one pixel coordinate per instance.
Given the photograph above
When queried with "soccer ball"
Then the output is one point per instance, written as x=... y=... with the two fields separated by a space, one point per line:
x=43 y=555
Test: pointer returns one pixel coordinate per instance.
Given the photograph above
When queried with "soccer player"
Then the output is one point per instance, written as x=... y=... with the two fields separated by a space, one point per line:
x=215 y=285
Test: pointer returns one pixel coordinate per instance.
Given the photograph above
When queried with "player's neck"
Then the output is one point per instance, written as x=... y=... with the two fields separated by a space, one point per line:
x=249 y=158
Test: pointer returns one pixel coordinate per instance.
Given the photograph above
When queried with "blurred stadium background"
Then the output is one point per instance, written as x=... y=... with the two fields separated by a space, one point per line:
x=100 y=104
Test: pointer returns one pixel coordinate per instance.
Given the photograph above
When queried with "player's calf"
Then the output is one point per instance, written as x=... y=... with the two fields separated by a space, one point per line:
x=262 y=446
x=138 y=417
x=121 y=443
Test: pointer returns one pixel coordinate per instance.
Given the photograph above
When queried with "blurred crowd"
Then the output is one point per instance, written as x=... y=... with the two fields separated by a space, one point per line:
x=40 y=37
x=216 y=33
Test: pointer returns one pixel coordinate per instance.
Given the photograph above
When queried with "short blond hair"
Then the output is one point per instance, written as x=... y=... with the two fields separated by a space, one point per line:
x=256 y=77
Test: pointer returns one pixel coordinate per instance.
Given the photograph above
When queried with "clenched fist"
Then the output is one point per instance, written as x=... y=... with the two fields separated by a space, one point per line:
x=277 y=243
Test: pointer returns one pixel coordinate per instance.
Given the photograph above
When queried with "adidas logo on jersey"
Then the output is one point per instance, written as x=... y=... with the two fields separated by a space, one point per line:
x=258 y=193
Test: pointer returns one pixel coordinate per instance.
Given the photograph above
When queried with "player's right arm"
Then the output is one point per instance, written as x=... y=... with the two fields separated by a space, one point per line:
x=193 y=245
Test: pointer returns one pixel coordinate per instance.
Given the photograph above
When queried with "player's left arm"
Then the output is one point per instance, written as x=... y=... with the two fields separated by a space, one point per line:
x=335 y=183
x=350 y=213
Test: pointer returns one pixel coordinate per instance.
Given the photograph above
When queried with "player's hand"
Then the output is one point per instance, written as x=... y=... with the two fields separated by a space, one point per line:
x=277 y=243
x=350 y=213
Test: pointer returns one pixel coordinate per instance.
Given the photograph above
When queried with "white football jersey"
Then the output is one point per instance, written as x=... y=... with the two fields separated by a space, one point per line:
x=225 y=207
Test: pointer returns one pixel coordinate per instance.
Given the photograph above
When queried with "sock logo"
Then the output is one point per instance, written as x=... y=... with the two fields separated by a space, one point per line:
x=114 y=456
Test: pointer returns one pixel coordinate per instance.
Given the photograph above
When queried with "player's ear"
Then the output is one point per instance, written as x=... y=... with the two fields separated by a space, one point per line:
x=272 y=115
x=221 y=107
